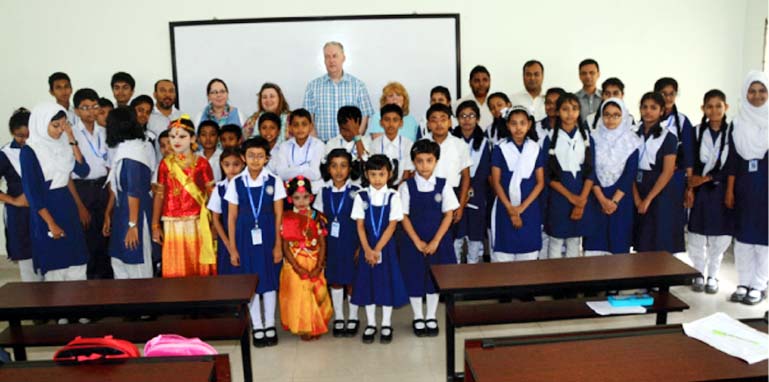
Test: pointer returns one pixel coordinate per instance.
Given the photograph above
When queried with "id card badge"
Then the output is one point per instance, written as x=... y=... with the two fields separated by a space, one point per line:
x=256 y=236
x=379 y=261
x=753 y=165
x=639 y=177
x=335 y=226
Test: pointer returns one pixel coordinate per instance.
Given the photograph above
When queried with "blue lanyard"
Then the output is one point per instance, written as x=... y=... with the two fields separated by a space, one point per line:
x=377 y=228
x=306 y=152
x=95 y=152
x=255 y=211
x=336 y=211
x=400 y=152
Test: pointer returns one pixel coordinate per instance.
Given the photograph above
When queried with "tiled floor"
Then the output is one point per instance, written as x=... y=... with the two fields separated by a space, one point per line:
x=409 y=358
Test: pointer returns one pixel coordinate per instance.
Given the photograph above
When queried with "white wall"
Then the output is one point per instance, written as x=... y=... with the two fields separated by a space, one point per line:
x=702 y=43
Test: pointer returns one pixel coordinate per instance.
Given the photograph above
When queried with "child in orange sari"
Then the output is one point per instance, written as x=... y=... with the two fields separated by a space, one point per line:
x=185 y=181
x=305 y=308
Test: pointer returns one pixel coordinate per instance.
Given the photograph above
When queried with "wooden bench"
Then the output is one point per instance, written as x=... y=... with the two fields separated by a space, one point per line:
x=554 y=310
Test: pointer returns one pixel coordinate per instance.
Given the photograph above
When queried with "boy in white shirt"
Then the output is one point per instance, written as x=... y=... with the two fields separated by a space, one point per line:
x=394 y=146
x=302 y=154
x=456 y=162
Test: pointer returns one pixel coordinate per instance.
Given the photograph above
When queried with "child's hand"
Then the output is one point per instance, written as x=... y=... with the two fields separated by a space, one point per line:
x=511 y=211
x=431 y=248
x=576 y=213
x=235 y=258
x=729 y=200
x=644 y=206
x=20 y=201
x=610 y=208
x=277 y=255
x=457 y=215
x=299 y=270
x=131 y=240
x=517 y=221
x=157 y=234
x=371 y=257
x=421 y=245
x=85 y=217
x=107 y=226
x=580 y=201
x=315 y=272
x=696 y=181
x=55 y=231
x=689 y=198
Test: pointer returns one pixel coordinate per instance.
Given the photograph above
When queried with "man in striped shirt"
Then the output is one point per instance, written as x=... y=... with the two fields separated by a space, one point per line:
x=326 y=94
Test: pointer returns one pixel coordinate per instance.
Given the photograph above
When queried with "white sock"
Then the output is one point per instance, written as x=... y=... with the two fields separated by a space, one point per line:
x=387 y=313
x=352 y=314
x=371 y=315
x=432 y=305
x=269 y=308
x=255 y=309
x=416 y=306
x=337 y=299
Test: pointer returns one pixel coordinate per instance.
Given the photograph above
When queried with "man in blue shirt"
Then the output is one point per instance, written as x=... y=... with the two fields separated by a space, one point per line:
x=326 y=94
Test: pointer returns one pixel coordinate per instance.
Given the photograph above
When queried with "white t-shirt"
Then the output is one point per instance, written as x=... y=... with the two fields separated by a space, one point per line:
x=338 y=142
x=455 y=157
x=399 y=149
x=378 y=198
x=303 y=160
x=449 y=200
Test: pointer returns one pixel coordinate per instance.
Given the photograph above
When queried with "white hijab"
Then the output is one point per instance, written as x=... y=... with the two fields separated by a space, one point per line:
x=751 y=138
x=521 y=163
x=55 y=155
x=614 y=146
x=135 y=149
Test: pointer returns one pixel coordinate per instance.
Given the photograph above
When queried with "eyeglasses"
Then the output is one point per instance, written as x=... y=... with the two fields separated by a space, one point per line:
x=256 y=156
x=86 y=108
x=612 y=116
x=217 y=92
x=468 y=116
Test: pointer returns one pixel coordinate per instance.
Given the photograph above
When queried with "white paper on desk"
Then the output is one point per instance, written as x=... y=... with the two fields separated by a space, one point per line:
x=604 y=308
x=730 y=336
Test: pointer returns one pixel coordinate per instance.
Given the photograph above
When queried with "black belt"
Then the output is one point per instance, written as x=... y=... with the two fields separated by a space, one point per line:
x=99 y=181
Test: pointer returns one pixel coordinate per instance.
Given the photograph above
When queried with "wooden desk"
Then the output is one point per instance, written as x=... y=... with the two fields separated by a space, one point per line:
x=125 y=298
x=177 y=369
x=660 y=353
x=545 y=277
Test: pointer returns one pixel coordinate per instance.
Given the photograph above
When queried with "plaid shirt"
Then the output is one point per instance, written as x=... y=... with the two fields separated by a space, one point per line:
x=323 y=98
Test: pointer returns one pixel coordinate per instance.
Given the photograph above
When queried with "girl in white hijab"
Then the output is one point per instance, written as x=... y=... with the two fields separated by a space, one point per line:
x=616 y=165
x=59 y=250
x=751 y=142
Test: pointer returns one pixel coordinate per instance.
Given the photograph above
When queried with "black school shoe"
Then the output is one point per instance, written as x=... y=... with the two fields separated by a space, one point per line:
x=419 y=332
x=259 y=342
x=431 y=332
x=369 y=338
x=387 y=335
x=351 y=329
x=270 y=336
x=338 y=330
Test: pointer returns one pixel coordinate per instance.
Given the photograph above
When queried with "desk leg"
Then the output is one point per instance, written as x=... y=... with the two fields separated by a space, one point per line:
x=19 y=352
x=662 y=317
x=245 y=345
x=449 y=300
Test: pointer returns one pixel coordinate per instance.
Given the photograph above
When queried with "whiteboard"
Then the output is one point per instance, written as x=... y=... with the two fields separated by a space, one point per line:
x=420 y=51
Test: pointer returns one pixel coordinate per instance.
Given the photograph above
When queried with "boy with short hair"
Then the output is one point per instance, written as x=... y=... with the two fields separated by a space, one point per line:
x=349 y=119
x=230 y=136
x=302 y=154
x=123 y=85
x=60 y=87
x=393 y=145
x=208 y=138
x=92 y=203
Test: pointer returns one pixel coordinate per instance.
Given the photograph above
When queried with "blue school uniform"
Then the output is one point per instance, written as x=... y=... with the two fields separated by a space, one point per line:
x=654 y=231
x=614 y=233
x=750 y=202
x=223 y=264
x=18 y=243
x=709 y=215
x=558 y=224
x=135 y=180
x=684 y=136
x=49 y=254
x=426 y=217
x=340 y=258
x=477 y=210
x=383 y=283
x=508 y=239
x=257 y=258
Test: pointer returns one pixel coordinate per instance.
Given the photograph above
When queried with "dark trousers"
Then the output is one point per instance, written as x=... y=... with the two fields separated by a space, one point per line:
x=94 y=196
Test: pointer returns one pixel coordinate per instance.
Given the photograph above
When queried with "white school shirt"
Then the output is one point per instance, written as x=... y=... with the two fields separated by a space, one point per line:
x=318 y=203
x=294 y=160
x=449 y=200
x=338 y=142
x=274 y=164
x=214 y=163
x=399 y=149
x=377 y=198
x=278 y=192
x=486 y=118
x=94 y=149
x=455 y=157
x=536 y=105
x=215 y=202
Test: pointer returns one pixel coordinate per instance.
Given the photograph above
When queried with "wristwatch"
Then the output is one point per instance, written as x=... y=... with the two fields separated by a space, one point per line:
x=73 y=143
x=131 y=225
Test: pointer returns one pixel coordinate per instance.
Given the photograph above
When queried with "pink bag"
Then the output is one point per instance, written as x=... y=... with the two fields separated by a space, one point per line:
x=170 y=345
